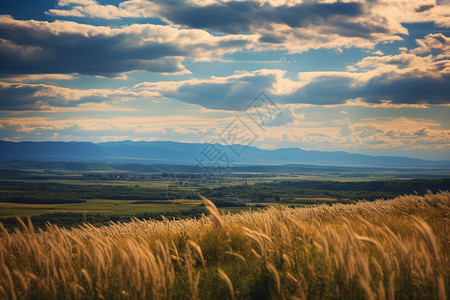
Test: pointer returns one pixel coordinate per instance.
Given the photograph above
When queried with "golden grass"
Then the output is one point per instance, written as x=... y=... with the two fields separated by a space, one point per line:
x=386 y=249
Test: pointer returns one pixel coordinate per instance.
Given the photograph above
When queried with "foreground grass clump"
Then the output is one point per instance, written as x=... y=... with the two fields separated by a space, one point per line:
x=386 y=249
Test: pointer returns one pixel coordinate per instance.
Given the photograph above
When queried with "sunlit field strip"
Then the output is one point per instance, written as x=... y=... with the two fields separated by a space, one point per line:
x=95 y=206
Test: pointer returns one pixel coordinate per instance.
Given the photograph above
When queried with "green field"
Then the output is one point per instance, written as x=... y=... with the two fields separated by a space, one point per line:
x=71 y=198
x=81 y=181
x=120 y=207
x=94 y=206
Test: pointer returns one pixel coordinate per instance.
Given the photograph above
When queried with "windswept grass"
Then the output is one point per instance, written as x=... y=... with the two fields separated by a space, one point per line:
x=387 y=249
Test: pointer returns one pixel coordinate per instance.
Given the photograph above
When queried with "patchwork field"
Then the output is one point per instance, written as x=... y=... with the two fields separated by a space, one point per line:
x=92 y=206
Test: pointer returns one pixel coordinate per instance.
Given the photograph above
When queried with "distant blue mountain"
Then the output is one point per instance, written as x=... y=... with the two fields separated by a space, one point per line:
x=160 y=152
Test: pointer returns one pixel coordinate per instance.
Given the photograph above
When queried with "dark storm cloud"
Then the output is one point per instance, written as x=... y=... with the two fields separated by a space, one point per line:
x=66 y=47
x=406 y=89
x=234 y=94
x=34 y=49
x=18 y=96
x=326 y=90
x=242 y=17
x=349 y=28
x=297 y=27
x=424 y=7
x=409 y=90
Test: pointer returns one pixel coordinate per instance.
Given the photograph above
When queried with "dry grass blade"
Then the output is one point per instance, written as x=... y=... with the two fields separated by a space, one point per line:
x=428 y=236
x=198 y=250
x=276 y=276
x=234 y=254
x=227 y=280
x=213 y=211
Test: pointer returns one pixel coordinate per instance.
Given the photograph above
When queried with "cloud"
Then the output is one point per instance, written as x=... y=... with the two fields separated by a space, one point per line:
x=432 y=41
x=224 y=16
x=405 y=78
x=422 y=132
x=179 y=127
x=237 y=17
x=91 y=9
x=26 y=96
x=368 y=131
x=38 y=77
x=385 y=81
x=414 y=11
x=287 y=117
x=233 y=92
x=372 y=88
x=392 y=133
x=37 y=47
x=388 y=134
x=404 y=89
x=296 y=26
x=381 y=104
x=347 y=130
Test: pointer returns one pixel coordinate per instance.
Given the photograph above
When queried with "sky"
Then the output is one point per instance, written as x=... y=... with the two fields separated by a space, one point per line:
x=363 y=76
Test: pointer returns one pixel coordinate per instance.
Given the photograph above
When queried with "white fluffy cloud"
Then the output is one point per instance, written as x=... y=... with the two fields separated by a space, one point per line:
x=431 y=42
x=91 y=9
x=286 y=117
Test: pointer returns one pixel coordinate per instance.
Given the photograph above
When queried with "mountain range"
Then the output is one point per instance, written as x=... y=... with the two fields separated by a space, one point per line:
x=166 y=152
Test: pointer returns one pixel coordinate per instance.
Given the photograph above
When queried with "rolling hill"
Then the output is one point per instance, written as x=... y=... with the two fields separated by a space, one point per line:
x=162 y=152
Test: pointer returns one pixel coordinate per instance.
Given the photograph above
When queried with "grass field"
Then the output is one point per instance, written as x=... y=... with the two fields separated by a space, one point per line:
x=386 y=249
x=116 y=207
x=95 y=206
x=83 y=181
x=120 y=207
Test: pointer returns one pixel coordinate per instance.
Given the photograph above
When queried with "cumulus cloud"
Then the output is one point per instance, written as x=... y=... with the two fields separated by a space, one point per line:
x=221 y=16
x=368 y=131
x=35 y=47
x=405 y=78
x=234 y=16
x=293 y=25
x=391 y=80
x=180 y=128
x=38 y=77
x=347 y=129
x=432 y=41
x=391 y=133
x=286 y=117
x=233 y=92
x=91 y=9
x=413 y=11
x=25 y=96
x=422 y=132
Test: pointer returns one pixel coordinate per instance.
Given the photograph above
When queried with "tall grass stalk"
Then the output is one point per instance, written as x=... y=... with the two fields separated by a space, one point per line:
x=385 y=249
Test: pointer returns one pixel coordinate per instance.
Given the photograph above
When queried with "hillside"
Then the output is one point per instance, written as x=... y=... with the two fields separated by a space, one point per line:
x=157 y=152
x=384 y=249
